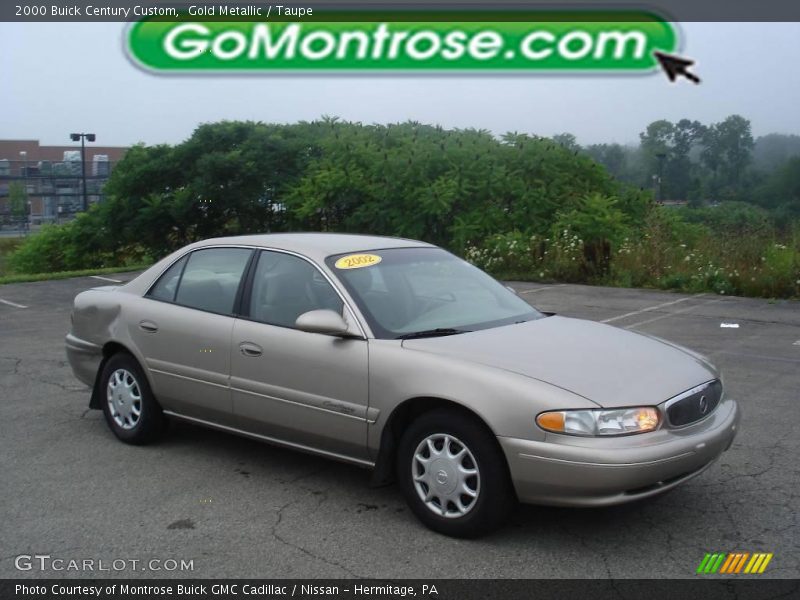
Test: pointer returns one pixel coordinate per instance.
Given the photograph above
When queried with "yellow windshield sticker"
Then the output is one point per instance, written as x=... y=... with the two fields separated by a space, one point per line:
x=357 y=261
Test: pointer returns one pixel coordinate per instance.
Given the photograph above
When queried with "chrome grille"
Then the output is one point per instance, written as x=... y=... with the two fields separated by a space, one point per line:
x=695 y=404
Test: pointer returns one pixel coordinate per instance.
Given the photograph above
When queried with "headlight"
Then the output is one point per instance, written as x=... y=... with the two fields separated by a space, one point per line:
x=620 y=421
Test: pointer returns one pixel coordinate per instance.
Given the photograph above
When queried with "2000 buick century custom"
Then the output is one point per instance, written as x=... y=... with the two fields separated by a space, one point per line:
x=396 y=355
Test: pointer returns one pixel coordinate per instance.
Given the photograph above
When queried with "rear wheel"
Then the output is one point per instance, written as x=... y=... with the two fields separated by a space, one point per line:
x=454 y=475
x=129 y=406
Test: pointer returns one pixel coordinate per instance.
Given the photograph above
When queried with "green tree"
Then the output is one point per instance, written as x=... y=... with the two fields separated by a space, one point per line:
x=727 y=152
x=567 y=140
x=771 y=151
x=227 y=178
x=655 y=144
x=18 y=200
x=451 y=187
x=612 y=156
x=666 y=150
x=781 y=192
x=679 y=171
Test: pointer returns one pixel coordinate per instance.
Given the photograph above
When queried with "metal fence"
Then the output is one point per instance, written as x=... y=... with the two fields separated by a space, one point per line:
x=34 y=192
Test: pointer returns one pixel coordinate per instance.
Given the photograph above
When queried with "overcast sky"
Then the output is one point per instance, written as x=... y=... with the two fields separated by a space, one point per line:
x=62 y=77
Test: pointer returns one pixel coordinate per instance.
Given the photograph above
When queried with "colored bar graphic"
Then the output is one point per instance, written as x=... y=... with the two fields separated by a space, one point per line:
x=703 y=563
x=764 y=564
x=749 y=566
x=711 y=562
x=757 y=564
x=741 y=562
x=732 y=558
x=730 y=563
x=717 y=565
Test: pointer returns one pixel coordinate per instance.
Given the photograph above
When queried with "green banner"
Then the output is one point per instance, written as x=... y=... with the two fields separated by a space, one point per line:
x=568 y=46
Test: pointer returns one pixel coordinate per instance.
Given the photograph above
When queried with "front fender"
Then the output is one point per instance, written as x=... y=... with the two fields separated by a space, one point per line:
x=506 y=402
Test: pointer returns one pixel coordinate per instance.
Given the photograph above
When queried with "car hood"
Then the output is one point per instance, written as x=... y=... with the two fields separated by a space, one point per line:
x=609 y=366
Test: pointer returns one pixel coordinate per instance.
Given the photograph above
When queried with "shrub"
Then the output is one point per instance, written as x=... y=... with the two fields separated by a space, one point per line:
x=596 y=226
x=519 y=206
x=44 y=251
x=63 y=248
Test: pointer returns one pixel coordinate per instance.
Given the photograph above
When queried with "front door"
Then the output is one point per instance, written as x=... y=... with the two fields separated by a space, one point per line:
x=301 y=388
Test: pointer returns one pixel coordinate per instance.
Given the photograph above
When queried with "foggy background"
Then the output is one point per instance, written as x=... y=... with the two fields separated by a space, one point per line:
x=63 y=77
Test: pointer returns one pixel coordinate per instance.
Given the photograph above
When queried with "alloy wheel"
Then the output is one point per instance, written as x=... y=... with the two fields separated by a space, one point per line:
x=124 y=399
x=445 y=475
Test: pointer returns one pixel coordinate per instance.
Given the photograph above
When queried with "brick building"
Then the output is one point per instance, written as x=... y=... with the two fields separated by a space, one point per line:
x=51 y=178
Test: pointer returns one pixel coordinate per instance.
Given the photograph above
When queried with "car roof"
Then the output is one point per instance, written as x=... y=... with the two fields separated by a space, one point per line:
x=317 y=246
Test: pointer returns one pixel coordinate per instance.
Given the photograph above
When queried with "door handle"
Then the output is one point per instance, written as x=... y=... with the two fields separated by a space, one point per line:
x=250 y=349
x=148 y=326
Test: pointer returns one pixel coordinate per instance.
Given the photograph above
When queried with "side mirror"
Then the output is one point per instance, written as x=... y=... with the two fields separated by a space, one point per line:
x=323 y=321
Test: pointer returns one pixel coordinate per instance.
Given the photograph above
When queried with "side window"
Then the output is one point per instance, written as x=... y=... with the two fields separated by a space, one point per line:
x=285 y=287
x=211 y=279
x=167 y=285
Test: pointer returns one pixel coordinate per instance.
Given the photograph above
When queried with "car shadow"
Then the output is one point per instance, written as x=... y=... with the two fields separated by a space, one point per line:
x=261 y=458
x=350 y=485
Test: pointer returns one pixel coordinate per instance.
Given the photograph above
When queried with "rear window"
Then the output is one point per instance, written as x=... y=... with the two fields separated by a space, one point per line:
x=211 y=279
x=167 y=285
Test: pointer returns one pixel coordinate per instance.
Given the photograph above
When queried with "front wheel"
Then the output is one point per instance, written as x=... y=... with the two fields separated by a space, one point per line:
x=454 y=475
x=130 y=408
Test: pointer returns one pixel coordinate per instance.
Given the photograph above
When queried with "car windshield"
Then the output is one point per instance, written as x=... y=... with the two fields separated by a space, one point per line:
x=426 y=292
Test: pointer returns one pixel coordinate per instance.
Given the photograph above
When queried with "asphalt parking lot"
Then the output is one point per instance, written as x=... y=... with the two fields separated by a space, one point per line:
x=238 y=508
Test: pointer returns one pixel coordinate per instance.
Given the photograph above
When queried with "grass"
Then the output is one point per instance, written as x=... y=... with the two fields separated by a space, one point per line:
x=25 y=277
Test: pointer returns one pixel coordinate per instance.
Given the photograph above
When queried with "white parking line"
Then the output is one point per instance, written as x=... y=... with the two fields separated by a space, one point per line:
x=14 y=304
x=759 y=356
x=650 y=309
x=541 y=289
x=106 y=278
x=672 y=314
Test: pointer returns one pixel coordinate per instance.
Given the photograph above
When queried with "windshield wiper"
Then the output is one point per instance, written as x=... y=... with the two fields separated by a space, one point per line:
x=439 y=331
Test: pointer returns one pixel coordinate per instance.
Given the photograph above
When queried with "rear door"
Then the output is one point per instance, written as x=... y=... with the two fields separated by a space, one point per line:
x=302 y=388
x=183 y=328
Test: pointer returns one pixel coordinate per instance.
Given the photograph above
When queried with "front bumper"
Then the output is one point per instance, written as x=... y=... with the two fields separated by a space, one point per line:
x=566 y=470
x=84 y=358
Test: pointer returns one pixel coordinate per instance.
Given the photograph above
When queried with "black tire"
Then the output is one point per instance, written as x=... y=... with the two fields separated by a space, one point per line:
x=150 y=423
x=495 y=494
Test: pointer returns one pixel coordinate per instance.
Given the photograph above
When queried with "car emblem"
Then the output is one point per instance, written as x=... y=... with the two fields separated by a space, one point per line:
x=441 y=477
x=703 y=405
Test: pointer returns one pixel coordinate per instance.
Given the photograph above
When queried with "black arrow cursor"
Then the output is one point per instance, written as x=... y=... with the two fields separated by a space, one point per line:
x=675 y=65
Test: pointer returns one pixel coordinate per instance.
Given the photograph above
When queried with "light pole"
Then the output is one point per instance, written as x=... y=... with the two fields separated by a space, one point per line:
x=661 y=156
x=23 y=155
x=83 y=137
